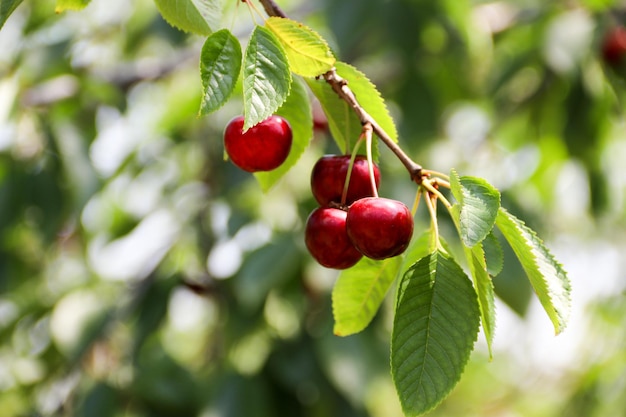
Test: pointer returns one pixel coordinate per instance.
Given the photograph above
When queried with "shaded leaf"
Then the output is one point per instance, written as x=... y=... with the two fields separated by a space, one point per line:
x=434 y=330
x=196 y=16
x=297 y=111
x=359 y=291
x=479 y=202
x=220 y=64
x=483 y=286
x=267 y=78
x=6 y=8
x=308 y=53
x=493 y=254
x=546 y=275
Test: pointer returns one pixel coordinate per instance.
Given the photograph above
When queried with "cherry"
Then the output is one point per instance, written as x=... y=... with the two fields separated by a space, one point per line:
x=379 y=227
x=327 y=241
x=263 y=147
x=329 y=176
x=614 y=46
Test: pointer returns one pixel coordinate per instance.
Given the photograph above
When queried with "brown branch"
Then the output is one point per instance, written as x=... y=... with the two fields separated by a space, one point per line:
x=340 y=86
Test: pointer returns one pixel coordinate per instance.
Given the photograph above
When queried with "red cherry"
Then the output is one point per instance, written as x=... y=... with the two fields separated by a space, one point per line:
x=263 y=147
x=329 y=175
x=614 y=45
x=326 y=238
x=379 y=227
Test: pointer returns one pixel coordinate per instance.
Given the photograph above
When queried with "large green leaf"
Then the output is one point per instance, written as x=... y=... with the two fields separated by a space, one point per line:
x=266 y=77
x=63 y=5
x=484 y=288
x=196 y=16
x=434 y=330
x=6 y=8
x=546 y=275
x=479 y=202
x=343 y=123
x=308 y=53
x=220 y=64
x=359 y=291
x=297 y=111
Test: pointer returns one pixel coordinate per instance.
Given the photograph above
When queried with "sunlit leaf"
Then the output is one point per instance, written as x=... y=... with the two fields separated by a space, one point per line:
x=6 y=8
x=63 y=5
x=545 y=274
x=196 y=16
x=359 y=291
x=479 y=202
x=484 y=288
x=308 y=53
x=220 y=64
x=266 y=77
x=434 y=330
x=297 y=111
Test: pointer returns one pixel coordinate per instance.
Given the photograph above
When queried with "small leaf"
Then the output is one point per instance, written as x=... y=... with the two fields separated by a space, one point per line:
x=297 y=111
x=434 y=331
x=63 y=5
x=266 y=77
x=479 y=202
x=308 y=53
x=343 y=123
x=7 y=7
x=368 y=97
x=546 y=275
x=220 y=64
x=493 y=254
x=196 y=16
x=359 y=291
x=483 y=286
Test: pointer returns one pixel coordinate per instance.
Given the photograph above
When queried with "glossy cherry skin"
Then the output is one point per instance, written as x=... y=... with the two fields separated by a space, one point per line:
x=327 y=241
x=329 y=175
x=379 y=227
x=263 y=147
x=614 y=46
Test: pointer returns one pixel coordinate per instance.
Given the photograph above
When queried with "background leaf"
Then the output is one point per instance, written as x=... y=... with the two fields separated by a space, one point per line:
x=196 y=16
x=267 y=77
x=545 y=274
x=308 y=53
x=359 y=291
x=434 y=330
x=63 y=5
x=6 y=8
x=297 y=111
x=479 y=202
x=220 y=64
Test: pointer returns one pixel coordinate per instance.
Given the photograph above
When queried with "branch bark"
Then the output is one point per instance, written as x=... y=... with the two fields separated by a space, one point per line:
x=340 y=86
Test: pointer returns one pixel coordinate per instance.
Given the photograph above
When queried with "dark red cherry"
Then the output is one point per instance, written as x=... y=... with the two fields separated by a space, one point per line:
x=327 y=240
x=329 y=175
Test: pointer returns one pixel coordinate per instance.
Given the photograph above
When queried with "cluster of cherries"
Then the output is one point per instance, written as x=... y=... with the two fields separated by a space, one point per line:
x=348 y=224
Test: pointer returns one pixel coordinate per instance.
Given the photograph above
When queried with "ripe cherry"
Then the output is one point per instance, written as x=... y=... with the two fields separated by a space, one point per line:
x=263 y=147
x=379 y=227
x=614 y=46
x=327 y=241
x=329 y=176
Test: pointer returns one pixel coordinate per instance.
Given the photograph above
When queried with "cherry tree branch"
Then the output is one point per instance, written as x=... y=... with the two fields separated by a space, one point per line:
x=340 y=86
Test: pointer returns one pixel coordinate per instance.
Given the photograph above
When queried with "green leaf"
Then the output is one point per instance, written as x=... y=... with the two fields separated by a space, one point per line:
x=196 y=16
x=297 y=111
x=368 y=97
x=483 y=285
x=493 y=254
x=343 y=123
x=220 y=64
x=479 y=202
x=308 y=53
x=266 y=77
x=63 y=5
x=359 y=291
x=434 y=330
x=6 y=8
x=546 y=275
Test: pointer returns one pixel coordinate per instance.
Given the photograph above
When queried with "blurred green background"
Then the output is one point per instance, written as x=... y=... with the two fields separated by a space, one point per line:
x=142 y=275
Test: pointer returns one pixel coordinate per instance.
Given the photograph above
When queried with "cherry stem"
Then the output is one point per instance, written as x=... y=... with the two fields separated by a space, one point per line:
x=367 y=131
x=428 y=185
x=432 y=210
x=416 y=202
x=346 y=184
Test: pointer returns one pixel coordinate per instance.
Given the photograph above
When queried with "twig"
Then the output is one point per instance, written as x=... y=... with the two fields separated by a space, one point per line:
x=340 y=86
